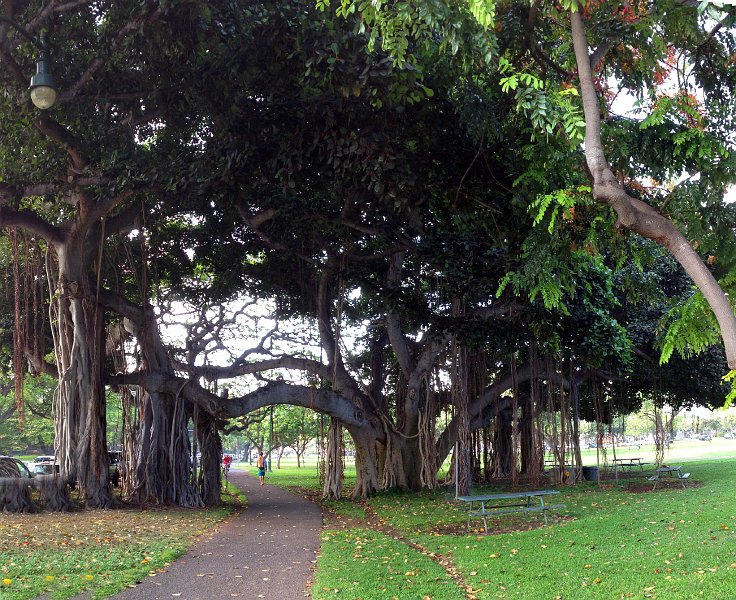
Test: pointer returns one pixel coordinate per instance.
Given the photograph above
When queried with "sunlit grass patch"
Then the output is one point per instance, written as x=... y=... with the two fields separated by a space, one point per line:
x=93 y=550
x=368 y=564
x=304 y=478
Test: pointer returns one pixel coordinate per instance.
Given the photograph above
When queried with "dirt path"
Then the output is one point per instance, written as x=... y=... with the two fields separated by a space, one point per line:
x=264 y=551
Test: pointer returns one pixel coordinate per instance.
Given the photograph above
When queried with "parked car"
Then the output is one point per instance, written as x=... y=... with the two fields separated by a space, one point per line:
x=12 y=467
x=39 y=459
x=47 y=467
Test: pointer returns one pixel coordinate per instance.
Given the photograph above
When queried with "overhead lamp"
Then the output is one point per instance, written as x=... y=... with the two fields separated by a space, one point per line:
x=43 y=86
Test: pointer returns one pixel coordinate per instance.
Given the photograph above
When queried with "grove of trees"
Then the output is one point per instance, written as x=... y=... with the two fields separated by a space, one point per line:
x=429 y=222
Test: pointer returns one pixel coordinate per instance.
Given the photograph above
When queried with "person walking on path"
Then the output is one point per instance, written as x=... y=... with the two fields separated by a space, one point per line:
x=261 y=464
x=266 y=550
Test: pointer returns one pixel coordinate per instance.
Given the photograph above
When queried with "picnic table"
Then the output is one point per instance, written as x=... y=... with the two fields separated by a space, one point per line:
x=527 y=501
x=629 y=463
x=669 y=471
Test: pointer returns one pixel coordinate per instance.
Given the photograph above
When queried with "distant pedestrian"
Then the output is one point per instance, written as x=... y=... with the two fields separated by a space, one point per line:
x=261 y=464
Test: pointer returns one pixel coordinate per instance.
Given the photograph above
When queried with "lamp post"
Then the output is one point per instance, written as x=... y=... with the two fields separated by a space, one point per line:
x=43 y=87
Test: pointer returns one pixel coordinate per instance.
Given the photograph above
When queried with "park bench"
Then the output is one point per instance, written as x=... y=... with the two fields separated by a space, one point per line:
x=629 y=463
x=479 y=507
x=675 y=472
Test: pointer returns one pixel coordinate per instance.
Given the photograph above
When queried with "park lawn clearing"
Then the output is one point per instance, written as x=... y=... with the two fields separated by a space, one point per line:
x=100 y=552
x=363 y=563
x=610 y=542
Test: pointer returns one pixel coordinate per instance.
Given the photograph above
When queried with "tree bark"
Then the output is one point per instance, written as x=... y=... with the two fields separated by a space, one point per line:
x=79 y=404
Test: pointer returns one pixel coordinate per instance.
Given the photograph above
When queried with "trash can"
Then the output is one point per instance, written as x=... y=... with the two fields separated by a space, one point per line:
x=590 y=473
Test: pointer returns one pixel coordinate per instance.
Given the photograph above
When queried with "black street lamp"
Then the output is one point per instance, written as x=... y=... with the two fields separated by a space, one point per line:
x=43 y=87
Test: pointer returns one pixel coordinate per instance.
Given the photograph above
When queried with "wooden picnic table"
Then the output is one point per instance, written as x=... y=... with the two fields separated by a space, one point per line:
x=669 y=471
x=629 y=463
x=527 y=503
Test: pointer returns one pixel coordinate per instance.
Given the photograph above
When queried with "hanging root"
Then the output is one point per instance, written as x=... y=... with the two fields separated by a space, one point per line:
x=15 y=495
x=333 y=464
x=427 y=445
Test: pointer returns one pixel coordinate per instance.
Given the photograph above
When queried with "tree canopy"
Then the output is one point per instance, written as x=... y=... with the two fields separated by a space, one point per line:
x=406 y=188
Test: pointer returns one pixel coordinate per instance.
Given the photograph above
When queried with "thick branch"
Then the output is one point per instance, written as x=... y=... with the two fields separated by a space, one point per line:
x=393 y=327
x=98 y=62
x=30 y=221
x=636 y=215
x=65 y=139
x=215 y=373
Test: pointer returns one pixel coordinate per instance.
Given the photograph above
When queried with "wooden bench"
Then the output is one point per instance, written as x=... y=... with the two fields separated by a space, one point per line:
x=629 y=463
x=526 y=505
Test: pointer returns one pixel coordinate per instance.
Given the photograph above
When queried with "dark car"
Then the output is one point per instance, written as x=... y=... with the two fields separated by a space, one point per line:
x=47 y=467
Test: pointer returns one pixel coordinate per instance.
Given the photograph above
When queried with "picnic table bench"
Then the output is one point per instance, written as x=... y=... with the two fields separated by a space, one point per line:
x=526 y=504
x=629 y=463
x=665 y=471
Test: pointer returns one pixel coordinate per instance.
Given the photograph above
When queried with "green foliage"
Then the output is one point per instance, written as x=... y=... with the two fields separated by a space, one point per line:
x=690 y=328
x=730 y=378
x=399 y=27
x=562 y=203
x=548 y=111
x=37 y=431
x=684 y=118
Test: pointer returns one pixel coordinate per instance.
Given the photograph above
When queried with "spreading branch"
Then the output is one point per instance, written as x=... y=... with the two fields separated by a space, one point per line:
x=632 y=213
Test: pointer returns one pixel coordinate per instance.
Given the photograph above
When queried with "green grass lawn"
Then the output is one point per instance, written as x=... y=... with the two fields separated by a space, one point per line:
x=99 y=552
x=614 y=540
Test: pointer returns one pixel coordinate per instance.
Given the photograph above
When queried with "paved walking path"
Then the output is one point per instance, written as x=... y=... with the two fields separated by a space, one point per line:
x=264 y=551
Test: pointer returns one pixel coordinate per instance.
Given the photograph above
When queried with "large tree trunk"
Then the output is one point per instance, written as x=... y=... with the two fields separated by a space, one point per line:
x=503 y=450
x=79 y=404
x=209 y=479
x=163 y=473
x=333 y=462
x=366 y=472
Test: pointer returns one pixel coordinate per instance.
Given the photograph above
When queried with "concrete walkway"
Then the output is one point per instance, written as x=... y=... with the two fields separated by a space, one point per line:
x=265 y=551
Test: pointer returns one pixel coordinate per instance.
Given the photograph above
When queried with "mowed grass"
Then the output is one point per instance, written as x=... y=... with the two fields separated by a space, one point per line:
x=99 y=552
x=614 y=540
x=610 y=542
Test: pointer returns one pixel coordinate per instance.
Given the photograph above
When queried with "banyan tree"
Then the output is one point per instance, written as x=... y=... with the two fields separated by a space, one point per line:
x=456 y=277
